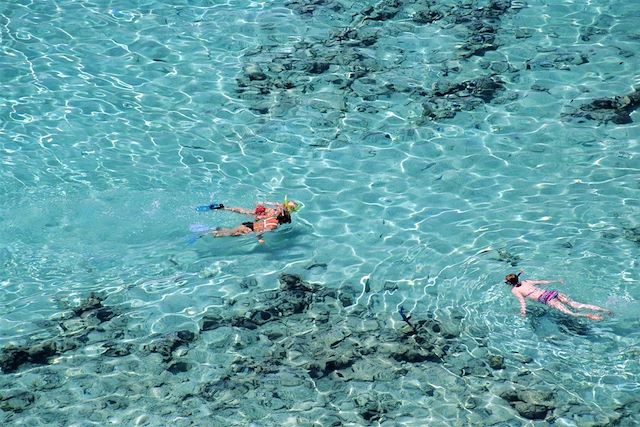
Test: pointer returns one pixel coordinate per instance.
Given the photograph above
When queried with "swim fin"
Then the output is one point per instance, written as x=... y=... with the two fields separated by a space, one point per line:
x=212 y=206
x=193 y=238
x=199 y=230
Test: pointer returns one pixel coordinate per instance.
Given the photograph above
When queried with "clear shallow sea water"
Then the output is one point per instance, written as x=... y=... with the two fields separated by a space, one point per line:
x=117 y=119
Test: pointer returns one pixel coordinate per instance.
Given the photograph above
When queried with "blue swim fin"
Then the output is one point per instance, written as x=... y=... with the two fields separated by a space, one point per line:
x=193 y=238
x=212 y=206
x=199 y=230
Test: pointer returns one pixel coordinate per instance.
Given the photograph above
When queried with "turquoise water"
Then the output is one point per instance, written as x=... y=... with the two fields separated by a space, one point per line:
x=118 y=118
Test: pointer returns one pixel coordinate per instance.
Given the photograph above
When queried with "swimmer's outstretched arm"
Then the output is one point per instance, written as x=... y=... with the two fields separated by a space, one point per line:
x=544 y=282
x=239 y=210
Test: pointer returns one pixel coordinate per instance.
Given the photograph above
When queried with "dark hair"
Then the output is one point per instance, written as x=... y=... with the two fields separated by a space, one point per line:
x=512 y=279
x=284 y=217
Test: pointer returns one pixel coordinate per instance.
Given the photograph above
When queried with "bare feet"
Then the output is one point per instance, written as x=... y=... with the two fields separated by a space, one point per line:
x=593 y=316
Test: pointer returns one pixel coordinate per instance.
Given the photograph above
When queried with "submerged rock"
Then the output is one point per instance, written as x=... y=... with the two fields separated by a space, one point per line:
x=531 y=411
x=308 y=7
x=178 y=367
x=93 y=302
x=15 y=400
x=330 y=364
x=373 y=407
x=496 y=362
x=447 y=98
x=254 y=72
x=617 y=109
x=383 y=11
x=118 y=349
x=530 y=404
x=75 y=330
x=317 y=67
x=504 y=255
x=415 y=355
x=293 y=297
x=40 y=353
x=427 y=16
x=556 y=60
x=168 y=343
x=632 y=234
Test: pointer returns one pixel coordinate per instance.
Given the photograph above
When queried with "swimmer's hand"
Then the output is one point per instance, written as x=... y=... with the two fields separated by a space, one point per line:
x=261 y=241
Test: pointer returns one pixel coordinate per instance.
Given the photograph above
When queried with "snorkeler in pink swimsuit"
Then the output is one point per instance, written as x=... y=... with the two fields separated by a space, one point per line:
x=523 y=289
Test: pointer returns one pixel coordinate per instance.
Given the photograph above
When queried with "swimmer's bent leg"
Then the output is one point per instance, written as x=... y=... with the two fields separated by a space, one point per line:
x=236 y=231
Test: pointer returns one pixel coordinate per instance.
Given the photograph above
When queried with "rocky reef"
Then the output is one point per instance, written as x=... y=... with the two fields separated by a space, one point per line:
x=301 y=350
x=75 y=328
x=341 y=61
x=276 y=78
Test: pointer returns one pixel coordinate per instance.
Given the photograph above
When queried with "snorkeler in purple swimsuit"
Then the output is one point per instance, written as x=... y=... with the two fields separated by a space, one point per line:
x=523 y=289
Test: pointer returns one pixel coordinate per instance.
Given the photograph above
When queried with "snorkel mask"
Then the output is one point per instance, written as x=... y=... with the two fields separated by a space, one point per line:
x=513 y=279
x=286 y=203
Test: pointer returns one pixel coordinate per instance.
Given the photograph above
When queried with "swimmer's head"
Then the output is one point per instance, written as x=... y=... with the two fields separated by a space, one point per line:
x=290 y=205
x=512 y=279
